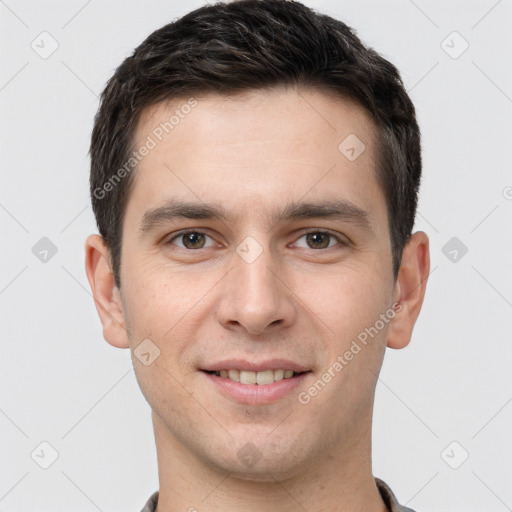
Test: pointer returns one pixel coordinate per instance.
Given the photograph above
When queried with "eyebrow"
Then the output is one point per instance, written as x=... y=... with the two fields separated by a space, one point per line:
x=175 y=209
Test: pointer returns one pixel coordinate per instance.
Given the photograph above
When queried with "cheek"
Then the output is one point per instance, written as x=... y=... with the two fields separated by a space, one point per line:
x=155 y=297
x=164 y=305
x=158 y=308
x=348 y=301
x=354 y=344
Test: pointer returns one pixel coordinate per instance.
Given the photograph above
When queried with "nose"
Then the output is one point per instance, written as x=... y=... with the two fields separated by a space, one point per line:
x=255 y=295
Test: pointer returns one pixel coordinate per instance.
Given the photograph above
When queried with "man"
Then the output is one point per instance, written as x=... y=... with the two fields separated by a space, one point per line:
x=254 y=176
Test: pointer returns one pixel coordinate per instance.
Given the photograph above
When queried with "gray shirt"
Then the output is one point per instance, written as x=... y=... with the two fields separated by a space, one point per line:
x=386 y=493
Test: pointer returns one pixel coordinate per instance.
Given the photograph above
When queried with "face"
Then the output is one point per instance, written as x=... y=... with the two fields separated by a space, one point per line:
x=251 y=241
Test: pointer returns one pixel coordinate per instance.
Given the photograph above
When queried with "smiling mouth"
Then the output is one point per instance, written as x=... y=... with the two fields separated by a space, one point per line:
x=261 y=378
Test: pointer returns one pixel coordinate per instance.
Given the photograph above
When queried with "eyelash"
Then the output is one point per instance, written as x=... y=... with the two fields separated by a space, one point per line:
x=305 y=233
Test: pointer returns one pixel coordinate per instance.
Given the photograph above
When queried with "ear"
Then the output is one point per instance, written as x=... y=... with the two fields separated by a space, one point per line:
x=410 y=289
x=105 y=292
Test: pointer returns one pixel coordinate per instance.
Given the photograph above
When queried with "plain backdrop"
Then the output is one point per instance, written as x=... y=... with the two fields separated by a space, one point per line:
x=443 y=412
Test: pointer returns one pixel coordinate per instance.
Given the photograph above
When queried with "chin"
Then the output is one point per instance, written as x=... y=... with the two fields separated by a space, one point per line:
x=261 y=460
x=262 y=471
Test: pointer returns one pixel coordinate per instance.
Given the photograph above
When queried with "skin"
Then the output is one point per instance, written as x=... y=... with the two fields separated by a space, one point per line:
x=301 y=299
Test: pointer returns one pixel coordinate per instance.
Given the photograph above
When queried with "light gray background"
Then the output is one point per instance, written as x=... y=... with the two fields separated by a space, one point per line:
x=63 y=384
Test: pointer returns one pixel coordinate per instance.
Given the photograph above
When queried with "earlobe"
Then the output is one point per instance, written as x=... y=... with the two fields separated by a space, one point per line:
x=409 y=289
x=105 y=292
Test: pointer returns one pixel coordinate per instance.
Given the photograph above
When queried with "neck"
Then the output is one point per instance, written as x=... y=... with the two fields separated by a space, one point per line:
x=340 y=480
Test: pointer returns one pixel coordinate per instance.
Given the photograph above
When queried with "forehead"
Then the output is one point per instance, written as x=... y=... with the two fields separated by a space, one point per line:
x=268 y=144
x=302 y=113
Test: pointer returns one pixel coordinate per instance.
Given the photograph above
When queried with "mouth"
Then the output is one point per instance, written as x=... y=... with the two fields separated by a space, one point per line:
x=260 y=378
x=250 y=387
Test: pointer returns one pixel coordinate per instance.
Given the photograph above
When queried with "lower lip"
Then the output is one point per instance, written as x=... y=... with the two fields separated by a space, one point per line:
x=254 y=394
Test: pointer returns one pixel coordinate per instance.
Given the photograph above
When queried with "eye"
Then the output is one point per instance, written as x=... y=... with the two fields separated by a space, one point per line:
x=191 y=240
x=319 y=240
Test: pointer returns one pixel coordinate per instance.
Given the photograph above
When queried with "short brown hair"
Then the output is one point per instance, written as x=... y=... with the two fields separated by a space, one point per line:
x=252 y=44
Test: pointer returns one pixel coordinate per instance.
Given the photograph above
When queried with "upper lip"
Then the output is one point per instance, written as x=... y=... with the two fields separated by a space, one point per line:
x=252 y=366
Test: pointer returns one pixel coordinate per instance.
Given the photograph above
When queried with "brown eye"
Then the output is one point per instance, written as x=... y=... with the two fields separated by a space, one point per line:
x=193 y=240
x=190 y=240
x=318 y=240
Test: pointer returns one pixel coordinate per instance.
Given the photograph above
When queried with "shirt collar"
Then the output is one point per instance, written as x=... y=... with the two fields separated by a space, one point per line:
x=387 y=496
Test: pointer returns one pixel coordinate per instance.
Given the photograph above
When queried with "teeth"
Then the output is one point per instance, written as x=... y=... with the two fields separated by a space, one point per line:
x=278 y=375
x=248 y=377
x=265 y=377
x=260 y=378
x=234 y=375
